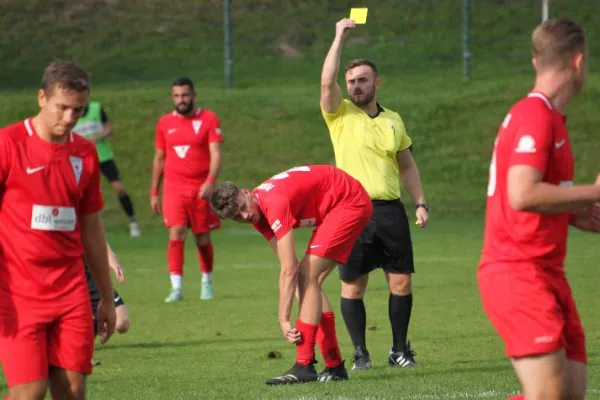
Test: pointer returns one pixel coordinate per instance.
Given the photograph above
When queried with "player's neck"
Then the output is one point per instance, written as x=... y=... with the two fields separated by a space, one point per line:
x=558 y=87
x=192 y=112
x=44 y=132
x=371 y=109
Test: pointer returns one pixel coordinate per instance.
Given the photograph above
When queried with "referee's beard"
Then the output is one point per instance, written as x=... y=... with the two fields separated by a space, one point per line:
x=362 y=98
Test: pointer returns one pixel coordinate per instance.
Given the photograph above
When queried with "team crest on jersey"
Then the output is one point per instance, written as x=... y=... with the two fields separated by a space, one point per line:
x=197 y=125
x=77 y=165
x=181 y=150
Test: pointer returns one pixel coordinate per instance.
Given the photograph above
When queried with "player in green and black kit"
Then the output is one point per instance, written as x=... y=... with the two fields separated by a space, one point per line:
x=95 y=126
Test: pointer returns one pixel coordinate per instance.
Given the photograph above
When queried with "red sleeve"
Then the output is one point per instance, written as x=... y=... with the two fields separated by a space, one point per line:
x=5 y=156
x=532 y=140
x=215 y=134
x=159 y=142
x=92 y=201
x=279 y=215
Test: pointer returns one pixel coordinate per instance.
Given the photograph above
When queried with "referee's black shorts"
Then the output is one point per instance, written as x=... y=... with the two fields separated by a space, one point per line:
x=384 y=243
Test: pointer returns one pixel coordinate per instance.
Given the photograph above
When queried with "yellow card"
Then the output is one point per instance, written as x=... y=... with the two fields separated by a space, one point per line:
x=359 y=15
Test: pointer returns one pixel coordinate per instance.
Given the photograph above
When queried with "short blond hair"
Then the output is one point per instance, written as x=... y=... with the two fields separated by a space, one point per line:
x=554 y=42
x=224 y=200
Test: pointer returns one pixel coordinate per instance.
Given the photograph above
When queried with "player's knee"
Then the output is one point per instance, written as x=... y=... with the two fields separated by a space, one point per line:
x=400 y=284
x=177 y=233
x=122 y=325
x=77 y=390
x=71 y=389
x=202 y=240
x=119 y=188
x=354 y=289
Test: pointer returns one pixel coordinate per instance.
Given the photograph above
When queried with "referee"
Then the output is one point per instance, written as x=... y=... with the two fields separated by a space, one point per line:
x=371 y=144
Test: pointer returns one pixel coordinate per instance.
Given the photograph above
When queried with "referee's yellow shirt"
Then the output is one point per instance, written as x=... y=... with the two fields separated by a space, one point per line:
x=366 y=147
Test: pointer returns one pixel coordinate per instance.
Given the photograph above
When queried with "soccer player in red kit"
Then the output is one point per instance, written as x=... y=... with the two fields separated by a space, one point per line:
x=50 y=204
x=338 y=208
x=188 y=151
x=531 y=203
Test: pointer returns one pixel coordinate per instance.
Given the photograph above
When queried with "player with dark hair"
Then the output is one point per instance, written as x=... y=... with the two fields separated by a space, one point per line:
x=188 y=154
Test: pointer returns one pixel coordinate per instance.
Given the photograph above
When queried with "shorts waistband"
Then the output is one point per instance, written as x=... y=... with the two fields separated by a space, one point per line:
x=377 y=202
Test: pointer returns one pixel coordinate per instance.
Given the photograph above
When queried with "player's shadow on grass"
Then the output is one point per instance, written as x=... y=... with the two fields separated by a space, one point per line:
x=189 y=343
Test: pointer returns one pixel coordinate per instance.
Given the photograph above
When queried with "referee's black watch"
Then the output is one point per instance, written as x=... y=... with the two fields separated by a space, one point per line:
x=423 y=205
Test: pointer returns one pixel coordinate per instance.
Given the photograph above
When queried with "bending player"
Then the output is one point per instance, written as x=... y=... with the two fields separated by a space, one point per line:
x=531 y=203
x=337 y=206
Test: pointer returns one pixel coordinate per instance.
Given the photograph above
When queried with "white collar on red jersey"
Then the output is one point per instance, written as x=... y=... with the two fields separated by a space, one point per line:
x=543 y=97
x=31 y=131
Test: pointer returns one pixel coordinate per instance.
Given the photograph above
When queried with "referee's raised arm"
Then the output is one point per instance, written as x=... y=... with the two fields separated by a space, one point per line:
x=331 y=94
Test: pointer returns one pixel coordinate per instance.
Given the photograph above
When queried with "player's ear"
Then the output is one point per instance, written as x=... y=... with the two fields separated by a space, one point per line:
x=377 y=82
x=534 y=63
x=42 y=98
x=578 y=60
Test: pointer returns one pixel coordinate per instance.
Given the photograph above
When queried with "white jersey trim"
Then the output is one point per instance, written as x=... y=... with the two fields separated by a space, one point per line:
x=541 y=96
x=29 y=127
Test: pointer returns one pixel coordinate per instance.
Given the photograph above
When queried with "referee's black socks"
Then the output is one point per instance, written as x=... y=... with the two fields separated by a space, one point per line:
x=400 y=308
x=355 y=317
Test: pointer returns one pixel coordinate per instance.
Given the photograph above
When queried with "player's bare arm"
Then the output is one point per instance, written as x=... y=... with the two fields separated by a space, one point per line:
x=273 y=244
x=286 y=253
x=114 y=264
x=158 y=166
x=331 y=94
x=107 y=130
x=411 y=180
x=94 y=244
x=214 y=170
x=527 y=192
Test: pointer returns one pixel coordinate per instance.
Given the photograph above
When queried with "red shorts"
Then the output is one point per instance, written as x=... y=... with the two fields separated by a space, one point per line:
x=532 y=309
x=182 y=207
x=340 y=229
x=33 y=338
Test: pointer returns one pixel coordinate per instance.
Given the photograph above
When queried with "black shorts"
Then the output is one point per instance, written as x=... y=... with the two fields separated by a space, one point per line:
x=384 y=243
x=110 y=171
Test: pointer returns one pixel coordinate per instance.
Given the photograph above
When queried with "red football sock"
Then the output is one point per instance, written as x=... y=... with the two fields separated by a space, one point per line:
x=305 y=350
x=327 y=340
x=175 y=257
x=206 y=255
x=519 y=397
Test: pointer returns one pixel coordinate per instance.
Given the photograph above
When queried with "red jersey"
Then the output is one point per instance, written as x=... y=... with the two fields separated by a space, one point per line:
x=45 y=190
x=185 y=141
x=533 y=133
x=302 y=197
